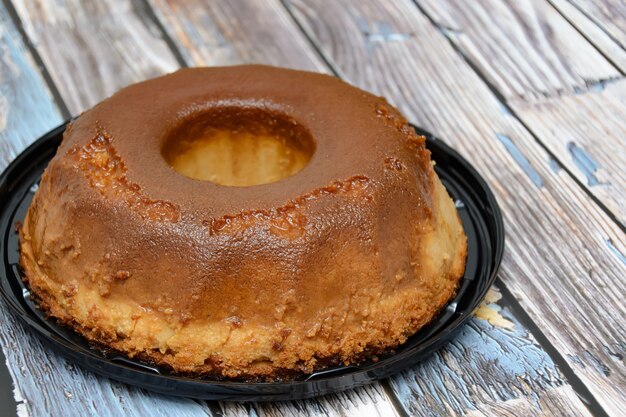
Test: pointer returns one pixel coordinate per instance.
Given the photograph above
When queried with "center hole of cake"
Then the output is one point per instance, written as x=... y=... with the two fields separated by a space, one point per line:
x=239 y=147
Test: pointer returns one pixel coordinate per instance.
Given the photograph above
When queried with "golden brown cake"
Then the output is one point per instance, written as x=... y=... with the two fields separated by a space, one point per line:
x=243 y=222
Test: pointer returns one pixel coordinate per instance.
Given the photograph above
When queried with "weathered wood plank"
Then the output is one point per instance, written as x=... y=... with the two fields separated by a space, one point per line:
x=610 y=15
x=526 y=49
x=212 y=33
x=93 y=48
x=589 y=132
x=560 y=401
x=558 y=263
x=27 y=109
x=506 y=370
x=368 y=401
x=551 y=36
x=597 y=35
x=50 y=385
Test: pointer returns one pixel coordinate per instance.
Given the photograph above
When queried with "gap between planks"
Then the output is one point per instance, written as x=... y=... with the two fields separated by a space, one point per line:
x=595 y=34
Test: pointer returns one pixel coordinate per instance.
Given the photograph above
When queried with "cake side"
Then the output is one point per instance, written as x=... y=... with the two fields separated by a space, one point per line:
x=362 y=315
x=338 y=263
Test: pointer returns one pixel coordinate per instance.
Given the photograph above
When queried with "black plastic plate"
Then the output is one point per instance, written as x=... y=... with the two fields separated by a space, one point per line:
x=477 y=208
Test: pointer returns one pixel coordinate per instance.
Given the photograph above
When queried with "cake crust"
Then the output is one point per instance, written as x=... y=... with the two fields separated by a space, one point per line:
x=339 y=262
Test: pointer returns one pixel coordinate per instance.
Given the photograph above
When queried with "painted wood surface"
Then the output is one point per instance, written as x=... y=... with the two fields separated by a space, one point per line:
x=93 y=48
x=367 y=400
x=610 y=15
x=594 y=32
x=558 y=263
x=528 y=57
x=27 y=109
x=23 y=96
x=370 y=400
x=526 y=49
x=213 y=33
x=509 y=373
x=588 y=131
x=494 y=366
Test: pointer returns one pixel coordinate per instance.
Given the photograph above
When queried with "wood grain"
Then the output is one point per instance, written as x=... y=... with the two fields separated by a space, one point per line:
x=560 y=401
x=526 y=49
x=528 y=43
x=596 y=34
x=213 y=33
x=93 y=48
x=368 y=401
x=558 y=263
x=588 y=131
x=364 y=401
x=27 y=109
x=610 y=15
x=507 y=369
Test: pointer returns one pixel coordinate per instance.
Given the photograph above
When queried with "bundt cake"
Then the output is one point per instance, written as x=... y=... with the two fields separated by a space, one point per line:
x=243 y=222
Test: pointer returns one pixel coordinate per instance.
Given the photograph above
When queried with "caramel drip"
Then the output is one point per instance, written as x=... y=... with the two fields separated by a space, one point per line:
x=285 y=220
x=106 y=172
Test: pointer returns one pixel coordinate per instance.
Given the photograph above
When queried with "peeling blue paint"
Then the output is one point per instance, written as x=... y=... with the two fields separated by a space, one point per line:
x=504 y=109
x=597 y=363
x=584 y=162
x=597 y=86
x=613 y=355
x=382 y=32
x=613 y=248
x=521 y=160
x=483 y=363
x=554 y=165
x=575 y=359
x=364 y=27
x=386 y=34
x=31 y=110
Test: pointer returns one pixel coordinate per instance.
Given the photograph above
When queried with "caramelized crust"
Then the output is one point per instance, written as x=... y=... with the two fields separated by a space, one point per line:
x=341 y=261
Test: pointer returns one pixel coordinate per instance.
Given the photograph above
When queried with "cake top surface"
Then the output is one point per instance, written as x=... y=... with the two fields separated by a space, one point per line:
x=351 y=137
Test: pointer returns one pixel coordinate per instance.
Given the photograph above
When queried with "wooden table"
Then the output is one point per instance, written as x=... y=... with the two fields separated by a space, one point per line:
x=532 y=92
